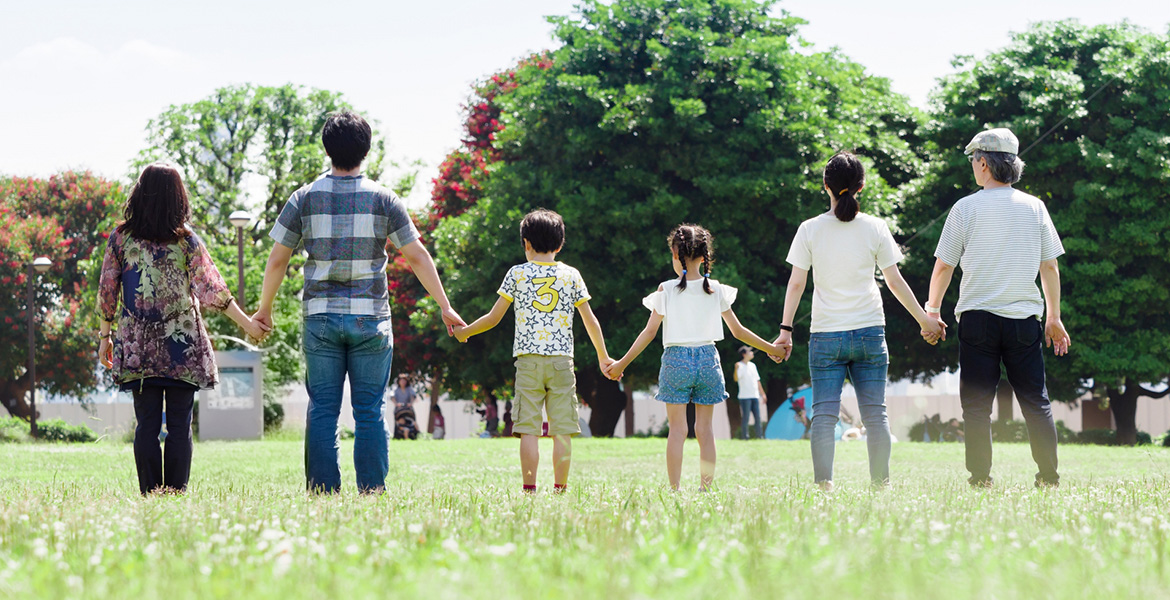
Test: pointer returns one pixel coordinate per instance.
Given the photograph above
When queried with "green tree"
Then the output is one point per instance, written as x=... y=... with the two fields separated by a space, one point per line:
x=1103 y=173
x=65 y=218
x=657 y=112
x=271 y=134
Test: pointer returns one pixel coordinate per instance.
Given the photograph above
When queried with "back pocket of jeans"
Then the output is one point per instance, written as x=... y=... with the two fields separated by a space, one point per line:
x=1028 y=331
x=973 y=328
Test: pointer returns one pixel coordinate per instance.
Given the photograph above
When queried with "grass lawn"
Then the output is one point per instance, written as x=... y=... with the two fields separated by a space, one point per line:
x=453 y=524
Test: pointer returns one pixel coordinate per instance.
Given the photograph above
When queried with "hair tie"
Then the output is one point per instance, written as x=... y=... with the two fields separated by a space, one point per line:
x=706 y=275
x=842 y=191
x=684 y=271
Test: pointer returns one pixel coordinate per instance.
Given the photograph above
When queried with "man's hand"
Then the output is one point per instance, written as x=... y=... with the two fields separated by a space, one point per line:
x=451 y=319
x=264 y=319
x=1056 y=337
x=605 y=362
x=934 y=329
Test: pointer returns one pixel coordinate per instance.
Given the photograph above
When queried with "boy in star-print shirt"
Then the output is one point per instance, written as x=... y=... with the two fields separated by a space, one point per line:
x=545 y=294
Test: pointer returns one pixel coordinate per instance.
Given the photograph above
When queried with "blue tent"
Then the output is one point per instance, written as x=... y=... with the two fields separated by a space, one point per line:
x=783 y=424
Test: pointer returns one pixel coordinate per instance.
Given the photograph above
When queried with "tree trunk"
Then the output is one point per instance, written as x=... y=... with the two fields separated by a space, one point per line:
x=14 y=396
x=606 y=400
x=734 y=416
x=436 y=383
x=1124 y=407
x=777 y=390
x=629 y=390
x=1004 y=396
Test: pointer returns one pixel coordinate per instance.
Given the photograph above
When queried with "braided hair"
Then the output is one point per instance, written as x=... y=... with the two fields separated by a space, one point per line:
x=690 y=242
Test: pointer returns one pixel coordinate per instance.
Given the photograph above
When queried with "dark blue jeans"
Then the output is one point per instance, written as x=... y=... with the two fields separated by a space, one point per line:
x=985 y=341
x=361 y=347
x=750 y=407
x=861 y=356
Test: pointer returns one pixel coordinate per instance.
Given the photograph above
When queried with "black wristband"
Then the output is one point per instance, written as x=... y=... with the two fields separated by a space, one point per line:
x=787 y=328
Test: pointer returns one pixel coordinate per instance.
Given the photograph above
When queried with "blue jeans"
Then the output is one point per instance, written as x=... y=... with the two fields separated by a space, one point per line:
x=862 y=356
x=360 y=346
x=750 y=406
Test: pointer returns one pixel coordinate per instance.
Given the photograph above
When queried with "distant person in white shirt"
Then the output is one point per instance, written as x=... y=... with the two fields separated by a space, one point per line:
x=844 y=248
x=1002 y=239
x=751 y=391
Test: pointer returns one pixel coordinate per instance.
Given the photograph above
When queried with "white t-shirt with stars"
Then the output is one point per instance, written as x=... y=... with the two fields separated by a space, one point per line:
x=544 y=296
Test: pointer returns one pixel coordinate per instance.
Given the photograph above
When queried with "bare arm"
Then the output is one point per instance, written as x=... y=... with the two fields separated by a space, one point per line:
x=484 y=323
x=748 y=337
x=643 y=340
x=940 y=280
x=905 y=295
x=424 y=269
x=273 y=277
x=796 y=284
x=1055 y=335
x=593 y=327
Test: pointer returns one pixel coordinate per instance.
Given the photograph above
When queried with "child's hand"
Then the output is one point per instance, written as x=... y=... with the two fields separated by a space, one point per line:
x=605 y=362
x=460 y=332
x=615 y=370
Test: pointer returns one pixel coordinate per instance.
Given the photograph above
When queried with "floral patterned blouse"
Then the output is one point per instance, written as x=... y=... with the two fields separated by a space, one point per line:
x=162 y=286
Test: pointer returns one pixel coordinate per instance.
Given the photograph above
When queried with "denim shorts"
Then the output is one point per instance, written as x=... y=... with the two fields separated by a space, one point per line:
x=691 y=374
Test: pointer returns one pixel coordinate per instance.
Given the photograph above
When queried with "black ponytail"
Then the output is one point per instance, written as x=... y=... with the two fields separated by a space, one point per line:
x=690 y=242
x=844 y=176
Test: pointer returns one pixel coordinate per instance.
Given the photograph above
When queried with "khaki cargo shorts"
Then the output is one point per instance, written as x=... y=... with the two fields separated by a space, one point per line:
x=546 y=382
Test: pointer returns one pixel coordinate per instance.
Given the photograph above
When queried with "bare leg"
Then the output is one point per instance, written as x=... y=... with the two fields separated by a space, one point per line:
x=706 y=437
x=676 y=415
x=562 y=458
x=529 y=457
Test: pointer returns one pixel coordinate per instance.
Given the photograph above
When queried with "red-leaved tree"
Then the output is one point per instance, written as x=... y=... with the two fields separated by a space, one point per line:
x=64 y=218
x=459 y=186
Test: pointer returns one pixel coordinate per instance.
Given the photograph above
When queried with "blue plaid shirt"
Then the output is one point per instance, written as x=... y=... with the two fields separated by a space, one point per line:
x=344 y=223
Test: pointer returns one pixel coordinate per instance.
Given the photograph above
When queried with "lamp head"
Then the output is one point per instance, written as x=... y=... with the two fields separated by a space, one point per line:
x=42 y=264
x=240 y=218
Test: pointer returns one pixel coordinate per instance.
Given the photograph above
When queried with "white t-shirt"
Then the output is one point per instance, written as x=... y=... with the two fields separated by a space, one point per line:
x=748 y=377
x=998 y=238
x=691 y=317
x=544 y=297
x=843 y=257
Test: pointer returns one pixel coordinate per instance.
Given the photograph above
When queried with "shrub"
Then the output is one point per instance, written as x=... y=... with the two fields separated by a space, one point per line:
x=13 y=429
x=1166 y=439
x=273 y=415
x=1009 y=431
x=1064 y=435
x=1108 y=437
x=57 y=430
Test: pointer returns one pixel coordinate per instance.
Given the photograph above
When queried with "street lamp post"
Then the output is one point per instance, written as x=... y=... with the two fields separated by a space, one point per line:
x=40 y=265
x=239 y=219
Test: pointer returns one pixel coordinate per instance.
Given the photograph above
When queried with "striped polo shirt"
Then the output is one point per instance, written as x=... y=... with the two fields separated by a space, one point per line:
x=998 y=238
x=344 y=224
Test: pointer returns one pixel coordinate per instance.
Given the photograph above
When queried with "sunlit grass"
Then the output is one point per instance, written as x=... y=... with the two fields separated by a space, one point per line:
x=454 y=524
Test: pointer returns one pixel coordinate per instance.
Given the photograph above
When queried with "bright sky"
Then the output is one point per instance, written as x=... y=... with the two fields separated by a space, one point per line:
x=80 y=79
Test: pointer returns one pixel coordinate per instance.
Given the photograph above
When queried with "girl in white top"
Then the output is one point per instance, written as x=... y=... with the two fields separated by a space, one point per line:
x=689 y=308
x=843 y=248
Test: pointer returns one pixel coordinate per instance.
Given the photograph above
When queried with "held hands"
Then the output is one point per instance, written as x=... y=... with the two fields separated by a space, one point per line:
x=451 y=319
x=934 y=329
x=783 y=346
x=259 y=325
x=1056 y=337
x=460 y=333
x=615 y=369
x=606 y=362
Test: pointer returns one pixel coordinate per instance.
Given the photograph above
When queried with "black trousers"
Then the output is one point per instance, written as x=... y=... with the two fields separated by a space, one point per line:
x=985 y=341
x=157 y=469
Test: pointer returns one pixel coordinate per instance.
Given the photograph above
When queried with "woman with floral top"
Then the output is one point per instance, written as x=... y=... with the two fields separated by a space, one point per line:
x=161 y=351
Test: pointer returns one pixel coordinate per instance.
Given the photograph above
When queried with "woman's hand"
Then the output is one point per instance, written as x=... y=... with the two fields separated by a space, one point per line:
x=106 y=353
x=785 y=339
x=933 y=329
x=255 y=329
x=614 y=370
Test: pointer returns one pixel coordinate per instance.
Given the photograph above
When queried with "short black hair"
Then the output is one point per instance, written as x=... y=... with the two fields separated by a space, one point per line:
x=346 y=136
x=743 y=350
x=544 y=229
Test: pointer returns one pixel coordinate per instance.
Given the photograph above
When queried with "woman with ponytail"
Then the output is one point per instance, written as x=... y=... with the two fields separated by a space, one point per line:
x=843 y=247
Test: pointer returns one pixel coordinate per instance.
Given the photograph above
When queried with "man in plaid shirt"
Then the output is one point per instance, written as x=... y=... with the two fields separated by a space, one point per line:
x=343 y=221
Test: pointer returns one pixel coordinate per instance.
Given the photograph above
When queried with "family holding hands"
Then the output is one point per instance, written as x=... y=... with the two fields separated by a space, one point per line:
x=344 y=222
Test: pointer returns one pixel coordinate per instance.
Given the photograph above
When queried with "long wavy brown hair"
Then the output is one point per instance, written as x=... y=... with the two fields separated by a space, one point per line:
x=157 y=209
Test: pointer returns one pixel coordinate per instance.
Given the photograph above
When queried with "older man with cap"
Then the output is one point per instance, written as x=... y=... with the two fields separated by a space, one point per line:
x=1002 y=239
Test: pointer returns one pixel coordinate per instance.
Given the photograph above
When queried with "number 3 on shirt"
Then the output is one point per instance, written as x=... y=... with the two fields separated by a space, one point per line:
x=545 y=288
